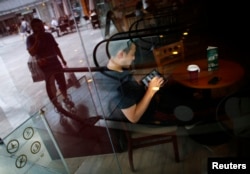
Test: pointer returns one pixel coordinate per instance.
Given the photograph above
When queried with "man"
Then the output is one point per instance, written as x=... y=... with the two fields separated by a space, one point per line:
x=44 y=48
x=54 y=26
x=24 y=28
x=124 y=92
x=125 y=99
x=54 y=23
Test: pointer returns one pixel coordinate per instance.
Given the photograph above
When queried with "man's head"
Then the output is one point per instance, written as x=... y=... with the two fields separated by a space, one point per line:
x=122 y=52
x=37 y=25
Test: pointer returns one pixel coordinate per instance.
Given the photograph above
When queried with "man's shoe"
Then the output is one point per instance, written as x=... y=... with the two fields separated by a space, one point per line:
x=1 y=141
x=68 y=102
x=69 y=105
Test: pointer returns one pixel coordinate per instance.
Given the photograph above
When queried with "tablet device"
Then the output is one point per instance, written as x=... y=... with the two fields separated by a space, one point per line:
x=148 y=77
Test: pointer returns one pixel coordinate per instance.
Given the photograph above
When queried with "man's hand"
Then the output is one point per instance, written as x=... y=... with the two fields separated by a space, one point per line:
x=156 y=83
x=64 y=62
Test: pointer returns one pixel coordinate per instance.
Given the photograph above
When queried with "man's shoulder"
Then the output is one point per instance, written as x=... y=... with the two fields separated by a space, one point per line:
x=105 y=82
x=31 y=38
x=49 y=36
x=105 y=75
x=111 y=76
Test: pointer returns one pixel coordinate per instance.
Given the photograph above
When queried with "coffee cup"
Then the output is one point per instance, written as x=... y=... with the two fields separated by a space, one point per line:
x=193 y=71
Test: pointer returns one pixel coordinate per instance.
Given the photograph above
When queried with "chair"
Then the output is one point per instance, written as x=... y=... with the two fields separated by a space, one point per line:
x=233 y=114
x=140 y=135
x=168 y=54
x=228 y=133
x=95 y=21
x=136 y=135
x=87 y=22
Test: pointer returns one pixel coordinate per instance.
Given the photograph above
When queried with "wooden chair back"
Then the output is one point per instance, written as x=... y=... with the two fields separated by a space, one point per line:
x=168 y=54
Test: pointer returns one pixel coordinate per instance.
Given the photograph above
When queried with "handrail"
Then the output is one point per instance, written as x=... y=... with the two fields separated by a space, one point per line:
x=67 y=70
x=159 y=29
x=136 y=34
x=83 y=69
x=95 y=50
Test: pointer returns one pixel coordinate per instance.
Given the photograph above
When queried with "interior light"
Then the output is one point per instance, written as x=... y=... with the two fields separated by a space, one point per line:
x=185 y=33
x=175 y=52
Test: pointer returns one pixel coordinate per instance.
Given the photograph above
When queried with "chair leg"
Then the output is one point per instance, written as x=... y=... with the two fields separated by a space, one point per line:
x=176 y=150
x=130 y=157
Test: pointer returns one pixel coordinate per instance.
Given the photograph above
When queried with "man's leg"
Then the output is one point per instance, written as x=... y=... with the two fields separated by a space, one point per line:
x=60 y=78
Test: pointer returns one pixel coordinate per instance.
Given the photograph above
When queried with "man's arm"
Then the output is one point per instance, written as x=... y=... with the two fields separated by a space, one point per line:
x=32 y=45
x=134 y=113
x=59 y=53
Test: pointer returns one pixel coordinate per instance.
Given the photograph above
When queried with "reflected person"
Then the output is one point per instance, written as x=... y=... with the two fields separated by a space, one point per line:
x=44 y=48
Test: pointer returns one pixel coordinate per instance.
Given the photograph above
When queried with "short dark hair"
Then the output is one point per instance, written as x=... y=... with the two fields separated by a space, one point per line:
x=117 y=45
x=34 y=21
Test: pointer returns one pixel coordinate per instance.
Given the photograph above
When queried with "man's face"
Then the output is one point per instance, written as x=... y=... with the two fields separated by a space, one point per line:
x=129 y=57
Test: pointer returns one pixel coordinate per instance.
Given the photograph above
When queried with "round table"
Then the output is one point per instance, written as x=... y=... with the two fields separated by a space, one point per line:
x=229 y=72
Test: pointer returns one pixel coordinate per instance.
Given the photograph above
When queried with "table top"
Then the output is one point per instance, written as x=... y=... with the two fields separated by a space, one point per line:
x=229 y=72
